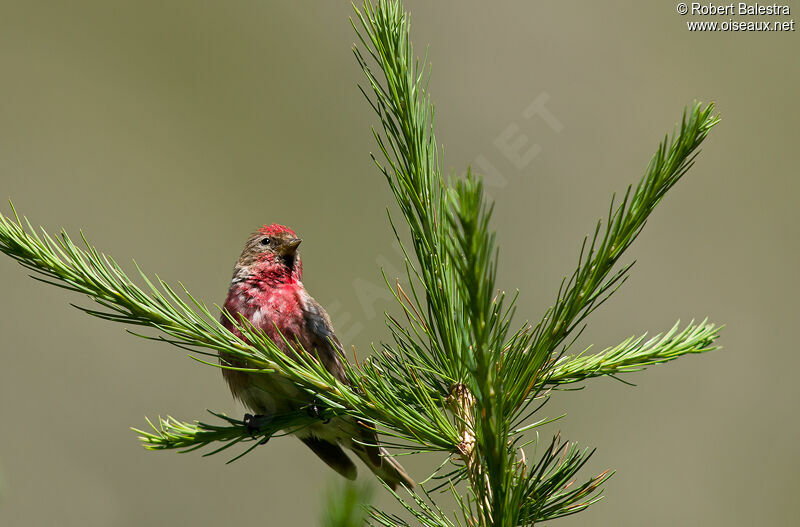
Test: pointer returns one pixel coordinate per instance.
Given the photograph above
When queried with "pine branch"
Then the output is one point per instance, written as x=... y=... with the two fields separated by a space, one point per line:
x=634 y=354
x=421 y=507
x=189 y=324
x=410 y=166
x=588 y=286
x=552 y=492
x=171 y=434
x=592 y=282
x=457 y=341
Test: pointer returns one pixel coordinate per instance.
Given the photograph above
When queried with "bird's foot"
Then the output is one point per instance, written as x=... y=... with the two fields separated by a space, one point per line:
x=254 y=423
x=315 y=410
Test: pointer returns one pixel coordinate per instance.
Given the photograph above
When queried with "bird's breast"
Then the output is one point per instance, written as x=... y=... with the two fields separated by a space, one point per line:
x=276 y=311
x=279 y=313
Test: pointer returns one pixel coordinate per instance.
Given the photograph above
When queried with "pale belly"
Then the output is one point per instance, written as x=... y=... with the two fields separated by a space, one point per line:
x=265 y=393
x=270 y=395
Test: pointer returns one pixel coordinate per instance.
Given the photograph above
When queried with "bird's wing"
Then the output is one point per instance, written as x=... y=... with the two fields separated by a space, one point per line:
x=323 y=340
x=329 y=352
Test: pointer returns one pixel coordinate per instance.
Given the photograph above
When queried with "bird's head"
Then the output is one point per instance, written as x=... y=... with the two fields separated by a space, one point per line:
x=272 y=249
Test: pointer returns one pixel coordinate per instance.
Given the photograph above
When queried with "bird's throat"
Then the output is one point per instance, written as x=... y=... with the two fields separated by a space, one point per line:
x=288 y=261
x=267 y=275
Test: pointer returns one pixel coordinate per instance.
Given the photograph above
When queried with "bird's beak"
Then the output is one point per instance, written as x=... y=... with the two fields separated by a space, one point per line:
x=290 y=246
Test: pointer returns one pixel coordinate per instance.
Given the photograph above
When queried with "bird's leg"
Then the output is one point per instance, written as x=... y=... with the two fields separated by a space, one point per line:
x=254 y=423
x=315 y=411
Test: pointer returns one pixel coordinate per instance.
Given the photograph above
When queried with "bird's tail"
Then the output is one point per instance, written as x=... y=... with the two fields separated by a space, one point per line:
x=389 y=469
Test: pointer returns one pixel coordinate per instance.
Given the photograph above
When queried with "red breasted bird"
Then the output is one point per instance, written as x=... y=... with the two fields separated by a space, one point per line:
x=266 y=290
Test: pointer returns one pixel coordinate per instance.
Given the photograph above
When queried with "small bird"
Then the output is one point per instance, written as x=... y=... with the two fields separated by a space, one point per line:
x=266 y=289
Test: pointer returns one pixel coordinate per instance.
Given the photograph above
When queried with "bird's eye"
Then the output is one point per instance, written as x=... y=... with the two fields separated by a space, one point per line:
x=265 y=241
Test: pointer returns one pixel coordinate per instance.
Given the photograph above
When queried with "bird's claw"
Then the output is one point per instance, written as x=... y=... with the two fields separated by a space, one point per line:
x=254 y=423
x=314 y=411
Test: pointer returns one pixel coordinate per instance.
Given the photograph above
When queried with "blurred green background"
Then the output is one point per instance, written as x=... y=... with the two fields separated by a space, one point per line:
x=168 y=131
